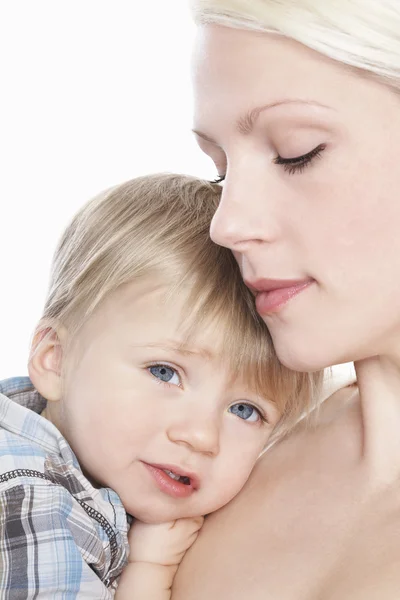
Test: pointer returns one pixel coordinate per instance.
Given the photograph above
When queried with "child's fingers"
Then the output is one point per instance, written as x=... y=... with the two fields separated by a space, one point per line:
x=189 y=524
x=163 y=543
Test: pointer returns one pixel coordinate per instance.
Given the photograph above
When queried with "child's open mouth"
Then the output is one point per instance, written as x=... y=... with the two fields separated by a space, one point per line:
x=172 y=481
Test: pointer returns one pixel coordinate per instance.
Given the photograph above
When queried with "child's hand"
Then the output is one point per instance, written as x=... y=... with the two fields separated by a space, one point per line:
x=155 y=553
x=162 y=543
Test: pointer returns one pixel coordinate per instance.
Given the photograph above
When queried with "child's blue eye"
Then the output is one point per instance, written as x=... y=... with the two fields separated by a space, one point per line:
x=245 y=412
x=165 y=373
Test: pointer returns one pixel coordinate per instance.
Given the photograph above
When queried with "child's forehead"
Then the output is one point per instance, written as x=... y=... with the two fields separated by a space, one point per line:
x=151 y=312
x=205 y=346
x=158 y=300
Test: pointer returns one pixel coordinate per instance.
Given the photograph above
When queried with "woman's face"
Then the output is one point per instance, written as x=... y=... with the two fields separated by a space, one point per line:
x=310 y=152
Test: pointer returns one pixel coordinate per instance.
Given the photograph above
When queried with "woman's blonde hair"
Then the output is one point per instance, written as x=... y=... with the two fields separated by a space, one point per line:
x=158 y=226
x=364 y=34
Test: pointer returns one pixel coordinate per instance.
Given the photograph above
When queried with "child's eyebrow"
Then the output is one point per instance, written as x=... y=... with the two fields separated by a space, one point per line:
x=179 y=348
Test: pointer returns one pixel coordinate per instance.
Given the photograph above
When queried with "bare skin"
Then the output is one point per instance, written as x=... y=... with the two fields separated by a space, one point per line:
x=313 y=523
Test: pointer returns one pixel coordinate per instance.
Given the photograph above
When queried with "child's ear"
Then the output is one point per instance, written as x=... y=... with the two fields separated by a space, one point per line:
x=45 y=362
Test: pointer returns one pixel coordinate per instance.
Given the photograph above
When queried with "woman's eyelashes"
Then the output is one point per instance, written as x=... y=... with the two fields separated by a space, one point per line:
x=297 y=164
x=246 y=412
x=165 y=374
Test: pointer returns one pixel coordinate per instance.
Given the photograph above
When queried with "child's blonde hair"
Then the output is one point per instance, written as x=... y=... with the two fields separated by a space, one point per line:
x=158 y=226
x=360 y=34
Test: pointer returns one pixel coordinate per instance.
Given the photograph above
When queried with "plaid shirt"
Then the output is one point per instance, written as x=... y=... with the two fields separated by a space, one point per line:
x=60 y=537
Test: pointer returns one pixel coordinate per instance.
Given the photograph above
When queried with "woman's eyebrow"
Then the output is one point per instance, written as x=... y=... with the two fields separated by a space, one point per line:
x=245 y=123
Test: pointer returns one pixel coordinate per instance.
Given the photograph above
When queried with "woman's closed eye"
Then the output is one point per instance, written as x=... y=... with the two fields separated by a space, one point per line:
x=247 y=412
x=219 y=179
x=165 y=374
x=297 y=164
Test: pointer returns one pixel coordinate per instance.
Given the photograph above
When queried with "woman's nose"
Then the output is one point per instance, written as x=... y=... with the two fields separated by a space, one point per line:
x=200 y=433
x=243 y=218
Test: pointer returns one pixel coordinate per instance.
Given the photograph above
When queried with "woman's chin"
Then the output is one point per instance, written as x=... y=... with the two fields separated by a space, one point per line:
x=306 y=358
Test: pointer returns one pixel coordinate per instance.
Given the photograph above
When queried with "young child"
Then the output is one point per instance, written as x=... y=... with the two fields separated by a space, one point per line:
x=153 y=388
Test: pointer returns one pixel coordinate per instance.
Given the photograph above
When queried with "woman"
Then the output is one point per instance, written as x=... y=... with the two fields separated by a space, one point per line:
x=297 y=103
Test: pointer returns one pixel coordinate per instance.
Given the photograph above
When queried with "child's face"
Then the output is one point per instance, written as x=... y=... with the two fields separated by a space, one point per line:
x=134 y=406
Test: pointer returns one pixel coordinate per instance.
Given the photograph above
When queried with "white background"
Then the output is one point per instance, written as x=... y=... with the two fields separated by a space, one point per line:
x=93 y=92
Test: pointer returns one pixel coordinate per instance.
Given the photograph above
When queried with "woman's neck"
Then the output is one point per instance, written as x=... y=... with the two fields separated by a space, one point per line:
x=378 y=381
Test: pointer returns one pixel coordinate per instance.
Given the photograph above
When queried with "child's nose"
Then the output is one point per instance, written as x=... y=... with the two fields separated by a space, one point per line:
x=199 y=433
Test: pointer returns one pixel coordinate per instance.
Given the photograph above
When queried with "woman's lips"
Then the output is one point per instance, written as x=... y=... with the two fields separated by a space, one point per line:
x=273 y=294
x=170 y=486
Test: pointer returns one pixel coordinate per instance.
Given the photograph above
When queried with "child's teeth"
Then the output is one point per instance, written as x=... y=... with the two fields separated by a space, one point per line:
x=172 y=475
x=181 y=478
